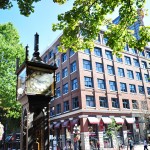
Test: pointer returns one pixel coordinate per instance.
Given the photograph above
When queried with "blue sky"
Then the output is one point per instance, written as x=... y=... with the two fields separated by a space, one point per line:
x=41 y=22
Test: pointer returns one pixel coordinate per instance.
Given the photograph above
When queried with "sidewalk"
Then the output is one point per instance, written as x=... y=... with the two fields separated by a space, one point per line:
x=136 y=147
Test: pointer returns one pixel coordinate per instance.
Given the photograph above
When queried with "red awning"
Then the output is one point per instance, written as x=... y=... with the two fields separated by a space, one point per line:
x=130 y=120
x=51 y=126
x=75 y=121
x=119 y=120
x=93 y=120
x=65 y=124
x=57 y=125
x=106 y=120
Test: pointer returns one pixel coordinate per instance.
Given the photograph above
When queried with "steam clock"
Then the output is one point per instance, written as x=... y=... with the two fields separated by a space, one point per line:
x=35 y=88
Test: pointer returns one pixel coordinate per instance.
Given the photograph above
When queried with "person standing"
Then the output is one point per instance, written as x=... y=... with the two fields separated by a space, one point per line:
x=145 y=145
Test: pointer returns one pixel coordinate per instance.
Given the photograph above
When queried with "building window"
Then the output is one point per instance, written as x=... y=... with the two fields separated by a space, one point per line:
x=135 y=104
x=97 y=51
x=126 y=48
x=90 y=102
x=52 y=111
x=99 y=67
x=88 y=81
x=74 y=83
x=56 y=49
x=66 y=106
x=115 y=102
x=147 y=54
x=101 y=84
x=110 y=70
x=71 y=52
x=141 y=89
x=65 y=88
x=58 y=62
x=105 y=40
x=73 y=67
x=121 y=72
x=58 y=108
x=133 y=51
x=45 y=59
x=87 y=64
x=136 y=63
x=130 y=74
x=127 y=60
x=75 y=102
x=64 y=57
x=143 y=64
x=148 y=90
x=132 y=88
x=50 y=54
x=119 y=59
x=138 y=76
x=58 y=94
x=98 y=39
x=103 y=102
x=64 y=72
x=58 y=77
x=146 y=76
x=126 y=104
x=109 y=55
x=87 y=51
x=142 y=53
x=112 y=85
x=123 y=87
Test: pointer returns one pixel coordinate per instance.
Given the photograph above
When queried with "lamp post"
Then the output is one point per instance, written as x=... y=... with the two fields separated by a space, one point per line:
x=76 y=132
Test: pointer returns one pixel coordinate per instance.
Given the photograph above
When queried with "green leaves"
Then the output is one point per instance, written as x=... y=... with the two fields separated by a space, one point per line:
x=10 y=49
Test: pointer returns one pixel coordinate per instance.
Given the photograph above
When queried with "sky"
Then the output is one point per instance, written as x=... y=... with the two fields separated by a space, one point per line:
x=41 y=22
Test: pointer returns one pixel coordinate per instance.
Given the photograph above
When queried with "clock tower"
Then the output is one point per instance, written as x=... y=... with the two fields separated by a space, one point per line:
x=35 y=89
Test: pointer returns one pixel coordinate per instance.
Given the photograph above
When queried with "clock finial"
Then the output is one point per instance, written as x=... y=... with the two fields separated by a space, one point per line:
x=36 y=54
x=27 y=53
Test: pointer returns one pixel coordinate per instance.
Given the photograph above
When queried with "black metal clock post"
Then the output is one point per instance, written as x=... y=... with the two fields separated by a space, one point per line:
x=35 y=88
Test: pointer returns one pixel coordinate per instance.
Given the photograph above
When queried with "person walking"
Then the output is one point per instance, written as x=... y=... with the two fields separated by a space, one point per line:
x=131 y=144
x=145 y=145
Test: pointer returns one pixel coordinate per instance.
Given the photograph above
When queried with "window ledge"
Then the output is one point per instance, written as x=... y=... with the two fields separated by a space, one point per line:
x=74 y=89
x=66 y=111
x=64 y=77
x=73 y=72
x=65 y=93
x=58 y=114
x=90 y=107
x=75 y=108
x=124 y=92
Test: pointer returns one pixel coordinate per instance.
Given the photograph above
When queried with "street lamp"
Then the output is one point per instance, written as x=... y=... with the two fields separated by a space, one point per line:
x=76 y=132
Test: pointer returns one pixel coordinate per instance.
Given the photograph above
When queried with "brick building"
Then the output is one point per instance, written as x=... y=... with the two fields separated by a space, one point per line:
x=92 y=87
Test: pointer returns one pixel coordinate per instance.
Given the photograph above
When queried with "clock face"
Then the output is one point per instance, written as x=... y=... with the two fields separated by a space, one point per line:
x=21 y=83
x=39 y=82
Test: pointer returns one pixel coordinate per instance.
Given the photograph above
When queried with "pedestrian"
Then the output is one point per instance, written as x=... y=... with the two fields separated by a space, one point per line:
x=145 y=145
x=98 y=145
x=131 y=144
x=92 y=147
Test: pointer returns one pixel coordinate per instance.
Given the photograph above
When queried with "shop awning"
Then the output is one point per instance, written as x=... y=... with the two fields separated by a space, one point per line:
x=57 y=125
x=65 y=124
x=51 y=126
x=119 y=120
x=106 y=120
x=93 y=120
x=130 y=120
x=75 y=121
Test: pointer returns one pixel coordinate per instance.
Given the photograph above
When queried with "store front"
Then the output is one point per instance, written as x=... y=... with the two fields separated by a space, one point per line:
x=93 y=131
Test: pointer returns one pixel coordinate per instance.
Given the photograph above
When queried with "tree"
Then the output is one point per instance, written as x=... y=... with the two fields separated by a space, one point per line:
x=10 y=49
x=81 y=25
x=112 y=131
